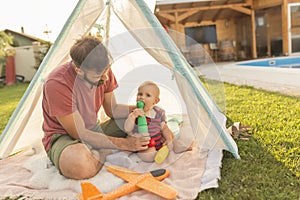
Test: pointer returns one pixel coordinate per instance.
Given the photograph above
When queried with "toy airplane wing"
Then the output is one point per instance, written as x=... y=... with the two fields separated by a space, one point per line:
x=124 y=173
x=89 y=191
x=150 y=184
x=148 y=181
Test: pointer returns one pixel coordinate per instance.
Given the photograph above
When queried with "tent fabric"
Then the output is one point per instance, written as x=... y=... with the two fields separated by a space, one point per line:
x=136 y=41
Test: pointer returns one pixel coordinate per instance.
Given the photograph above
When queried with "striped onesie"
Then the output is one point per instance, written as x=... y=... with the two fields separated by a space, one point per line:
x=154 y=126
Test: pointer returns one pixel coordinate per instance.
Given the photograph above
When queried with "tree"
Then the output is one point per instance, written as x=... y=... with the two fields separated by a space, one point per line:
x=5 y=47
x=40 y=49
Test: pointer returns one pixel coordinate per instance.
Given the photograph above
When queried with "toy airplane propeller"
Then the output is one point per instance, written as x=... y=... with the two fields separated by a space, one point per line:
x=148 y=181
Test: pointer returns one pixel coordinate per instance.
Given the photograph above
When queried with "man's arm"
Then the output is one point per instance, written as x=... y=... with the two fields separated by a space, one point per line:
x=114 y=110
x=74 y=125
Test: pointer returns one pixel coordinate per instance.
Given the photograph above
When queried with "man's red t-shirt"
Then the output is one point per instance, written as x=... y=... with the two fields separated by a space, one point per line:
x=64 y=93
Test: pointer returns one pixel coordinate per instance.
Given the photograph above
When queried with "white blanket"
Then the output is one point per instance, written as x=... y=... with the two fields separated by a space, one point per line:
x=31 y=175
x=35 y=177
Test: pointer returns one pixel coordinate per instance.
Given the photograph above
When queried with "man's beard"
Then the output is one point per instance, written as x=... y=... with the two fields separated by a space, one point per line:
x=98 y=83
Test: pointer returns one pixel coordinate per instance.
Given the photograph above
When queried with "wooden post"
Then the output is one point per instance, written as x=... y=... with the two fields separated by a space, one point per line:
x=176 y=29
x=285 y=29
x=10 y=72
x=254 y=51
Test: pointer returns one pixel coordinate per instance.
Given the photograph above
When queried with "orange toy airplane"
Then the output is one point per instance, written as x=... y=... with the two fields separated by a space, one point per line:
x=148 y=181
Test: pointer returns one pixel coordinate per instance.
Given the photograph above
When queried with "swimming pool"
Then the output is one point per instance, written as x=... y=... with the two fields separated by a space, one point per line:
x=283 y=62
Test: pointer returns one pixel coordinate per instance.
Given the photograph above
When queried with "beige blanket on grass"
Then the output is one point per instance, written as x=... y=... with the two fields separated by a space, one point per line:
x=34 y=177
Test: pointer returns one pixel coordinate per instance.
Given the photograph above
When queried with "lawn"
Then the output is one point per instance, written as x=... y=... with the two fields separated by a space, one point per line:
x=9 y=99
x=269 y=167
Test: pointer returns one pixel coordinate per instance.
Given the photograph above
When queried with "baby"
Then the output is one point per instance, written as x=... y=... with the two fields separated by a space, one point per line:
x=160 y=134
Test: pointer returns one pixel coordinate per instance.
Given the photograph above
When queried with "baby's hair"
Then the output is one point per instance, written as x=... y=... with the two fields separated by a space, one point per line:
x=150 y=83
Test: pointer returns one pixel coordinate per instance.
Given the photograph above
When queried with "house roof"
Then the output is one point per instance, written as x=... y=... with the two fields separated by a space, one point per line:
x=33 y=38
x=18 y=35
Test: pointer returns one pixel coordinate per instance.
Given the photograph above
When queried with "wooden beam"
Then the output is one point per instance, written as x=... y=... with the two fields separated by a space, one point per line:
x=166 y=16
x=266 y=4
x=186 y=15
x=213 y=7
x=242 y=10
x=202 y=23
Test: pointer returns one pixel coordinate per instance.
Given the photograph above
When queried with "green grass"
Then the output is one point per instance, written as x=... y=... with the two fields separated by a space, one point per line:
x=269 y=167
x=9 y=99
x=275 y=120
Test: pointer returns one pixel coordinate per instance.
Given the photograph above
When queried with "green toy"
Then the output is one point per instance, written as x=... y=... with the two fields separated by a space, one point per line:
x=161 y=154
x=142 y=121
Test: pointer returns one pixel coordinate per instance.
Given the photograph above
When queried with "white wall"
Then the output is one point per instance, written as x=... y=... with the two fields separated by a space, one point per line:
x=25 y=62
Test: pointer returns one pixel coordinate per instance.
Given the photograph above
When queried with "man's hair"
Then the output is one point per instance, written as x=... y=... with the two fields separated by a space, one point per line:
x=89 y=53
x=151 y=83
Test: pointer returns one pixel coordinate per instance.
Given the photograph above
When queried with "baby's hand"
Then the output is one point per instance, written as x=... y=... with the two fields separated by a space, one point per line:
x=137 y=112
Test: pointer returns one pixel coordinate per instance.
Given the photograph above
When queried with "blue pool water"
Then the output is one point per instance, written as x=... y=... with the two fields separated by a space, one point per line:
x=286 y=62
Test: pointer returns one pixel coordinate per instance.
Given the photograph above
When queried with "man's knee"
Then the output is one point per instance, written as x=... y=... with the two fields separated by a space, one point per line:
x=85 y=170
x=78 y=162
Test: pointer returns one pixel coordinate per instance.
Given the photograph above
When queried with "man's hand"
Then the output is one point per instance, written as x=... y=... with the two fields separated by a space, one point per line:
x=136 y=142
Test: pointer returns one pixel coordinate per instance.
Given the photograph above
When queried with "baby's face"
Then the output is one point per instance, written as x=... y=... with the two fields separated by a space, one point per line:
x=148 y=95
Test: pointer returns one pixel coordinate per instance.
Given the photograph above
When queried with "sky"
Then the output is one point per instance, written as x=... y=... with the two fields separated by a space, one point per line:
x=36 y=16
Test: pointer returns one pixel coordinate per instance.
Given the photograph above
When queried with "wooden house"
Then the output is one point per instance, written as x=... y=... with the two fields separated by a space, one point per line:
x=233 y=29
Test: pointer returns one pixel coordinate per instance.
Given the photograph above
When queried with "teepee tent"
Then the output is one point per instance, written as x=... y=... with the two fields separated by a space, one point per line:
x=141 y=50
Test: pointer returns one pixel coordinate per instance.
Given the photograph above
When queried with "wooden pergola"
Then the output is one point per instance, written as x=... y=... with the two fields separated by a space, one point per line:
x=201 y=13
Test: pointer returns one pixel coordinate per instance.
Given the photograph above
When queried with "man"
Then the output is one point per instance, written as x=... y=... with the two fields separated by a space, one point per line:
x=73 y=94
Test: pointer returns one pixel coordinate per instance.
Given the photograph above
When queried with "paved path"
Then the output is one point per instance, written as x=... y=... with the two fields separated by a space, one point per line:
x=281 y=80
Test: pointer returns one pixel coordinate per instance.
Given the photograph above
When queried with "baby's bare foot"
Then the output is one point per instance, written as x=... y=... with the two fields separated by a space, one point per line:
x=180 y=147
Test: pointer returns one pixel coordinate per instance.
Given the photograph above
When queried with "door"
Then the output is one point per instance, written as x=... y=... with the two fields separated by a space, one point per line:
x=262 y=36
x=294 y=28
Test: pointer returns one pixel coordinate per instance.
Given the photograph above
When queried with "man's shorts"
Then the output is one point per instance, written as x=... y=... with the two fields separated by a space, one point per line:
x=60 y=141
